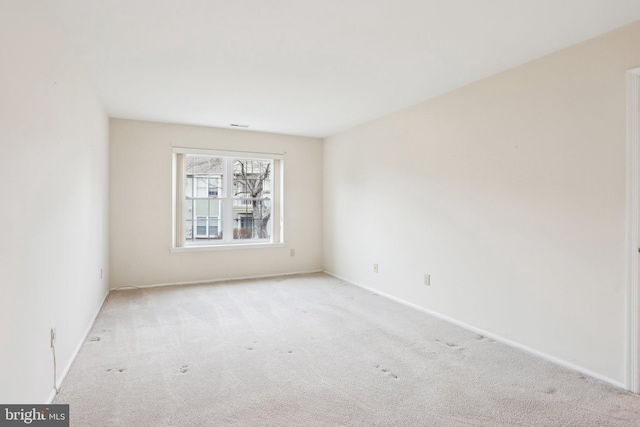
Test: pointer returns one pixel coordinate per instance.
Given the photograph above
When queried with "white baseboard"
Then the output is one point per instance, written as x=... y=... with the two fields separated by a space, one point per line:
x=65 y=371
x=228 y=279
x=486 y=333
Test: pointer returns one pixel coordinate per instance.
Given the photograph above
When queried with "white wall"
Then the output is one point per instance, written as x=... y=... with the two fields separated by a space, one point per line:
x=510 y=192
x=140 y=205
x=54 y=136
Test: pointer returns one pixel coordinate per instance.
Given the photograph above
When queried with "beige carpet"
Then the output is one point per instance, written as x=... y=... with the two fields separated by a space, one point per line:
x=311 y=350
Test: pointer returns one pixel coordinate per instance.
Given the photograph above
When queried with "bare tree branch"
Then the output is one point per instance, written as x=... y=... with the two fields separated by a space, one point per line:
x=252 y=184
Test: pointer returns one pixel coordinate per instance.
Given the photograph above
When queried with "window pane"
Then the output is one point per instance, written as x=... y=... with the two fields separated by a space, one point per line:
x=215 y=208
x=188 y=209
x=188 y=219
x=214 y=186
x=201 y=228
x=204 y=165
x=201 y=187
x=252 y=220
x=252 y=178
x=206 y=224
x=188 y=230
x=219 y=233
x=188 y=191
x=262 y=219
x=202 y=208
x=203 y=180
x=213 y=227
x=203 y=176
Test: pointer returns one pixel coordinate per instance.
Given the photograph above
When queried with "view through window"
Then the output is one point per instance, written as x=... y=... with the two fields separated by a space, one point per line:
x=224 y=199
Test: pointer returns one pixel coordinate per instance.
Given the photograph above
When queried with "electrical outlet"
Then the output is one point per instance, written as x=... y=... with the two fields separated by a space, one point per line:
x=292 y=252
x=427 y=279
x=375 y=267
x=53 y=336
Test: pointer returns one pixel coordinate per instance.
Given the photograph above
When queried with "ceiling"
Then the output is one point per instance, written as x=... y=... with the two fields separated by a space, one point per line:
x=312 y=68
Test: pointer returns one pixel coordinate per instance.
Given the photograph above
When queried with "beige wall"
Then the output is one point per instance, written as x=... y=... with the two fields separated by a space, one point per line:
x=510 y=192
x=140 y=205
x=54 y=166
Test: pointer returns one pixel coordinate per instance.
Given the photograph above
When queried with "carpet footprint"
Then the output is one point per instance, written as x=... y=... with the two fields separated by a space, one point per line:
x=387 y=371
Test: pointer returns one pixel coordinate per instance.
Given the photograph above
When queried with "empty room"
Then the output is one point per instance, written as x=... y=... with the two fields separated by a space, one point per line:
x=336 y=213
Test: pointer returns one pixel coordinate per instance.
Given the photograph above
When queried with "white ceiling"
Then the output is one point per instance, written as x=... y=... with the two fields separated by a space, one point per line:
x=311 y=68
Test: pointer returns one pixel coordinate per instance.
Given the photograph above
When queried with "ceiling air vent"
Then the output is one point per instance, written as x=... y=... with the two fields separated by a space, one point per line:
x=235 y=125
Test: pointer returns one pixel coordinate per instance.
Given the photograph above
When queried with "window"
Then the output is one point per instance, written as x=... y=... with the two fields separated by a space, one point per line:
x=226 y=198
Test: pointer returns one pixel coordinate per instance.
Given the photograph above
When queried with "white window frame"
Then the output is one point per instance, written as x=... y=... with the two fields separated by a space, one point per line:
x=179 y=243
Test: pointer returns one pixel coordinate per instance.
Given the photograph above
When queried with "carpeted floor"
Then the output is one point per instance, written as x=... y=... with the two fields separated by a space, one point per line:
x=312 y=350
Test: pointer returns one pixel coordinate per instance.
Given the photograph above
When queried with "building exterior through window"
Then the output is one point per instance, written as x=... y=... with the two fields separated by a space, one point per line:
x=225 y=199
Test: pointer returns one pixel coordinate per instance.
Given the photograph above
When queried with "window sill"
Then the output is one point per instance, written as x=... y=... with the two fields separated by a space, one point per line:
x=227 y=247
